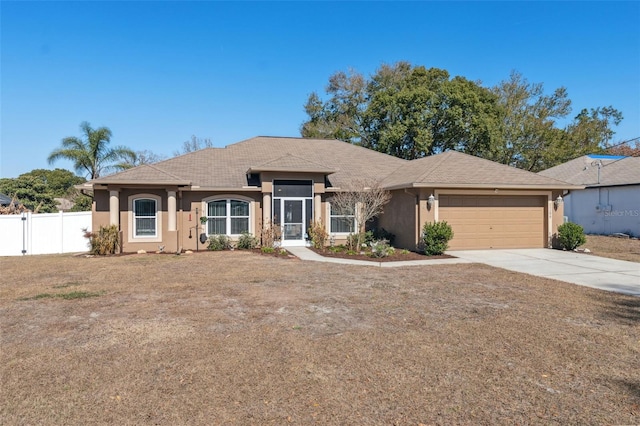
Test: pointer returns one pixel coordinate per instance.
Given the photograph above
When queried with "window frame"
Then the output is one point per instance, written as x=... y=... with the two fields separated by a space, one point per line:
x=332 y=216
x=228 y=213
x=132 y=232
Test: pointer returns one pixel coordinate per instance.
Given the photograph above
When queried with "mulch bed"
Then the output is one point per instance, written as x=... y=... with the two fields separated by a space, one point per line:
x=396 y=257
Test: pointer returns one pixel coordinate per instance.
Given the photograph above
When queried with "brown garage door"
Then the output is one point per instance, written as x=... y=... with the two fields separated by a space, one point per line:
x=481 y=222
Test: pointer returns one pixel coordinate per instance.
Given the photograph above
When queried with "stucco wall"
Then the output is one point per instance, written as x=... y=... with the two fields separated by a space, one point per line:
x=399 y=218
x=188 y=220
x=605 y=210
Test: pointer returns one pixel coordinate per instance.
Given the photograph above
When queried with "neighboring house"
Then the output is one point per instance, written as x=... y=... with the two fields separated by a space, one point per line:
x=289 y=182
x=610 y=201
x=4 y=200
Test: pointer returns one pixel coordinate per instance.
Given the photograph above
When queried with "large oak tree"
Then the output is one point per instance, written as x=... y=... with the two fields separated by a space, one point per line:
x=411 y=111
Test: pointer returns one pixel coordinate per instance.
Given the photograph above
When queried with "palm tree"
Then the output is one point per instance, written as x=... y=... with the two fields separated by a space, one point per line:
x=91 y=154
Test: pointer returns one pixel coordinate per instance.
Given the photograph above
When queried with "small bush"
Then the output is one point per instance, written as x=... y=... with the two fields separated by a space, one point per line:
x=369 y=237
x=219 y=242
x=318 y=234
x=270 y=235
x=105 y=241
x=435 y=237
x=571 y=236
x=247 y=241
x=268 y=250
x=381 y=248
x=352 y=242
x=383 y=234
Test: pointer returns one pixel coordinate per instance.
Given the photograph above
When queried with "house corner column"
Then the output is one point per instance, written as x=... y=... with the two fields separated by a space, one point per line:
x=171 y=210
x=317 y=208
x=266 y=209
x=114 y=207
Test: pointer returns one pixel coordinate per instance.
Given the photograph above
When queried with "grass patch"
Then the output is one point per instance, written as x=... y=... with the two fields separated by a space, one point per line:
x=77 y=295
x=65 y=296
x=39 y=296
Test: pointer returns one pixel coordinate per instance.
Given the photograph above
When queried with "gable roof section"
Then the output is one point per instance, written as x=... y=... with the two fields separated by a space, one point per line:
x=226 y=168
x=613 y=171
x=291 y=163
x=454 y=169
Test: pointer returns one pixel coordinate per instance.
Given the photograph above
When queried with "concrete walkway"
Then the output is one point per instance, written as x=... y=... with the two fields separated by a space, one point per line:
x=304 y=253
x=577 y=268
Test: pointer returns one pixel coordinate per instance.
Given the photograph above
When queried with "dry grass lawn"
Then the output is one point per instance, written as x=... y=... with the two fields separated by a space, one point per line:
x=615 y=248
x=239 y=338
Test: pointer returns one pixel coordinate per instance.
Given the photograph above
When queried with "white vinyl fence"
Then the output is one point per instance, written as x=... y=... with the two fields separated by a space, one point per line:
x=43 y=233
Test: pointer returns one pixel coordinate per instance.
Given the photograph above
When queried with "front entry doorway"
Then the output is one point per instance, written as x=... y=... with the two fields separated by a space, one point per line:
x=292 y=210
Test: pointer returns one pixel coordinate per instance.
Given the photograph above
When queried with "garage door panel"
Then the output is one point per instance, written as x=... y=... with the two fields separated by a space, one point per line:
x=494 y=221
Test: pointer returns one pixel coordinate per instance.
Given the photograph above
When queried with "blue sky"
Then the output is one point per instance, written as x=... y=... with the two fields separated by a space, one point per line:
x=156 y=73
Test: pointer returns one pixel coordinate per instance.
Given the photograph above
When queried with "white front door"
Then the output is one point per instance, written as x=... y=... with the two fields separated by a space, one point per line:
x=294 y=228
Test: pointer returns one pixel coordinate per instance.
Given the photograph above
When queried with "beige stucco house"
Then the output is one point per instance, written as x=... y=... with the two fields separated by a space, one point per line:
x=290 y=181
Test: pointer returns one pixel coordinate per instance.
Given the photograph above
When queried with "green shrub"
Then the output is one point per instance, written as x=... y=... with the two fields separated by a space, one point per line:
x=571 y=236
x=383 y=234
x=381 y=249
x=247 y=241
x=268 y=250
x=105 y=241
x=219 y=242
x=435 y=237
x=357 y=242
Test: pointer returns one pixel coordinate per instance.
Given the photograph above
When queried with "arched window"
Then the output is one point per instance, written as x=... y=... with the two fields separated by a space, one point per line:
x=227 y=217
x=145 y=222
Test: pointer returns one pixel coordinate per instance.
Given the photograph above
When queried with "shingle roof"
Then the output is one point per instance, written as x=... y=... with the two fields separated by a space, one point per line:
x=146 y=173
x=583 y=170
x=292 y=163
x=455 y=169
x=227 y=168
x=4 y=200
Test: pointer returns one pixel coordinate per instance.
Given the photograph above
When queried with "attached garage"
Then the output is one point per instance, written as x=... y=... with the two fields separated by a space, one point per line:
x=495 y=221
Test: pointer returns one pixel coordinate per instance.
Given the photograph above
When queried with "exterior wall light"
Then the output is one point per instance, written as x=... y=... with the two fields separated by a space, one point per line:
x=558 y=202
x=430 y=200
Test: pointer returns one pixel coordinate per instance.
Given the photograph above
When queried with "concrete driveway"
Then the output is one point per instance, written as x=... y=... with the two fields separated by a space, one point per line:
x=577 y=268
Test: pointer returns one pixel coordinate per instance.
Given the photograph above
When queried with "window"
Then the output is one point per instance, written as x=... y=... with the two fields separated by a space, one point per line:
x=144 y=217
x=227 y=217
x=342 y=221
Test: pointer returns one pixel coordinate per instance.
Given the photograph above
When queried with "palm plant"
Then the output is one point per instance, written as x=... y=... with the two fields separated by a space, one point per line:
x=91 y=154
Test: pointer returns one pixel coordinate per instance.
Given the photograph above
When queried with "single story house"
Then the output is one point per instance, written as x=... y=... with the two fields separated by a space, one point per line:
x=289 y=182
x=610 y=200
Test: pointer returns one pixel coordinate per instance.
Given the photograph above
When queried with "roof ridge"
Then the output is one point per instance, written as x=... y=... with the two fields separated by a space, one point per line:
x=614 y=161
x=165 y=172
x=288 y=154
x=440 y=159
